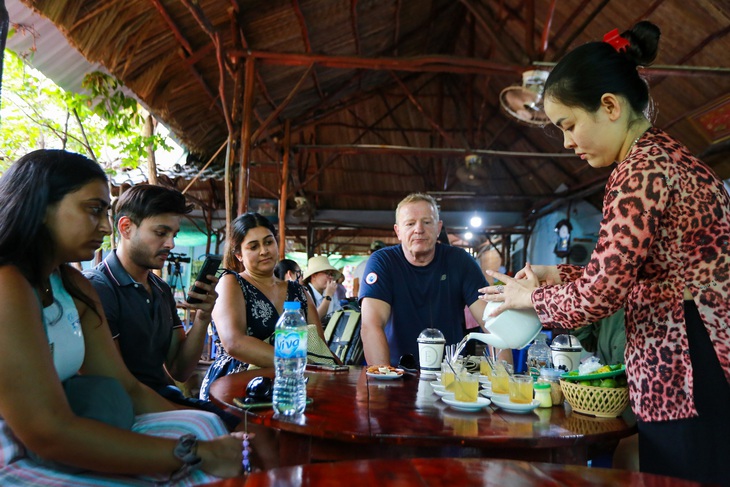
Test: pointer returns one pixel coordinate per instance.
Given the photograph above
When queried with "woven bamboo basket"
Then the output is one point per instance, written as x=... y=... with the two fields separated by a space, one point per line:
x=602 y=402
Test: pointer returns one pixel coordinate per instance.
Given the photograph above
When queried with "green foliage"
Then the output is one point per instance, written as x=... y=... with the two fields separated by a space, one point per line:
x=103 y=124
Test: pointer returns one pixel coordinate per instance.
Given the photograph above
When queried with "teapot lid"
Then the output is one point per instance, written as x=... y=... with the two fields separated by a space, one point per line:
x=566 y=342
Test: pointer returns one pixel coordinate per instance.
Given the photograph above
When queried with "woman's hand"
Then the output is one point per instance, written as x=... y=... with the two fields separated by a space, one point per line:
x=546 y=274
x=514 y=293
x=222 y=456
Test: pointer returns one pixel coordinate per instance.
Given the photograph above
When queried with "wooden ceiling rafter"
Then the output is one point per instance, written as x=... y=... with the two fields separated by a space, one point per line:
x=285 y=102
x=353 y=25
x=545 y=37
x=488 y=27
x=719 y=34
x=529 y=6
x=346 y=149
x=422 y=110
x=397 y=125
x=581 y=28
x=305 y=40
x=648 y=11
x=378 y=135
x=311 y=113
x=396 y=27
x=240 y=36
x=572 y=17
x=422 y=64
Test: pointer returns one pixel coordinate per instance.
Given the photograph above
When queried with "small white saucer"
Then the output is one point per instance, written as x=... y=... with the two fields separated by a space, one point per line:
x=488 y=393
x=483 y=379
x=480 y=403
x=437 y=386
x=389 y=376
x=443 y=392
x=512 y=407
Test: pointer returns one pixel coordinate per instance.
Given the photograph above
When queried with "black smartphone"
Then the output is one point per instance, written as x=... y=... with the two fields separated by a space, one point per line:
x=210 y=267
x=331 y=368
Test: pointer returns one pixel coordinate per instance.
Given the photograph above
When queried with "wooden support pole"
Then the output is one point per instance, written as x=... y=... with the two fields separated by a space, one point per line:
x=283 y=196
x=244 y=176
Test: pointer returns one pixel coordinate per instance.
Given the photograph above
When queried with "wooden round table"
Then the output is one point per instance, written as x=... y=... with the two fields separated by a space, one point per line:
x=449 y=472
x=354 y=416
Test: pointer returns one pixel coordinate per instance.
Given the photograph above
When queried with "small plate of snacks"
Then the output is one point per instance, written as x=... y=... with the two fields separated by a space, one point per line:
x=384 y=372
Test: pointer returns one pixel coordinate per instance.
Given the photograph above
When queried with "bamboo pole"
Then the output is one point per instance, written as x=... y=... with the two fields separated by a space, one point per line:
x=283 y=196
x=244 y=176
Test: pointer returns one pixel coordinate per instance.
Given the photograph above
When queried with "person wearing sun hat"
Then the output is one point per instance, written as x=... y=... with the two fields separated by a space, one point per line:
x=320 y=278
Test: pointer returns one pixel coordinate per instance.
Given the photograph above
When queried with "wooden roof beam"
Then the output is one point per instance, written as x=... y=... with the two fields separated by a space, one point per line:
x=353 y=23
x=707 y=40
x=421 y=64
x=396 y=27
x=450 y=151
x=277 y=111
x=188 y=53
x=530 y=29
x=305 y=39
x=569 y=21
x=420 y=108
x=491 y=31
x=566 y=45
x=544 y=40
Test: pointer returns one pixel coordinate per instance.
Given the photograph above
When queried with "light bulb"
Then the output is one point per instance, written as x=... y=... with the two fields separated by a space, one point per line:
x=475 y=222
x=468 y=235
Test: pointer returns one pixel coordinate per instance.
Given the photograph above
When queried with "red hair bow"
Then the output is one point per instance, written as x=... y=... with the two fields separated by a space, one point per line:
x=618 y=42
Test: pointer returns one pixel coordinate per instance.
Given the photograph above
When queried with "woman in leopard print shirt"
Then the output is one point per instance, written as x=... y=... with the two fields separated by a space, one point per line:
x=663 y=252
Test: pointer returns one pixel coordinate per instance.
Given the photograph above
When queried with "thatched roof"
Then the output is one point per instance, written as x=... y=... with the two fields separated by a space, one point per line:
x=421 y=77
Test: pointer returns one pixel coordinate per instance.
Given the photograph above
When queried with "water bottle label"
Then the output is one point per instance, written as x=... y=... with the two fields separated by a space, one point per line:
x=290 y=343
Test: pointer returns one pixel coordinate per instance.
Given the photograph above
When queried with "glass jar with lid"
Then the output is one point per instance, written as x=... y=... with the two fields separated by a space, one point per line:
x=542 y=394
x=552 y=377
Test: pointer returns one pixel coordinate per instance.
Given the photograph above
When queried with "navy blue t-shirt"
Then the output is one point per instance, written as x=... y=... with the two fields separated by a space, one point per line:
x=432 y=296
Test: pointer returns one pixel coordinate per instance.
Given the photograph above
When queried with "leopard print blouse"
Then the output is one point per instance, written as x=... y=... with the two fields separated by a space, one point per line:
x=665 y=227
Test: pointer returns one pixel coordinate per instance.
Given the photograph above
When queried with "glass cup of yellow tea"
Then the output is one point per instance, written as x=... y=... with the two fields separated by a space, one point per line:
x=447 y=375
x=500 y=381
x=520 y=389
x=466 y=387
x=485 y=368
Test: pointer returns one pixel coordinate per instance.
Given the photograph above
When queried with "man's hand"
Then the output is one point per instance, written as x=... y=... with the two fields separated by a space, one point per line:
x=330 y=289
x=204 y=308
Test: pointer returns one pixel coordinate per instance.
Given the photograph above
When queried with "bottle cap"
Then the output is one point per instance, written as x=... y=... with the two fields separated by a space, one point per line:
x=291 y=305
x=541 y=385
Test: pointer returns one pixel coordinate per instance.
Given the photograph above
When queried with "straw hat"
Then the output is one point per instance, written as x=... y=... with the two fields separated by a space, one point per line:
x=319 y=263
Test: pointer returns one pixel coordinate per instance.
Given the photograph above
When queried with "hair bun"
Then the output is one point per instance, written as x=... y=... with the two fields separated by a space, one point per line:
x=644 y=43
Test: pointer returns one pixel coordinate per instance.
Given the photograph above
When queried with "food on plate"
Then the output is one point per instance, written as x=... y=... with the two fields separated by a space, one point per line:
x=384 y=370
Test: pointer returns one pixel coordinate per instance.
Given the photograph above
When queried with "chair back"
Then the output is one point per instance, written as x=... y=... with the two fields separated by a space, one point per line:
x=343 y=336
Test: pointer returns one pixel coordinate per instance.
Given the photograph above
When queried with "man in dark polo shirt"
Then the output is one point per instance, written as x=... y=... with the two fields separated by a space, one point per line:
x=139 y=305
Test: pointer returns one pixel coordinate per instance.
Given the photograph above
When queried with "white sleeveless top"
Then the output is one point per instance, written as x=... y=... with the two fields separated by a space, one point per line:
x=63 y=327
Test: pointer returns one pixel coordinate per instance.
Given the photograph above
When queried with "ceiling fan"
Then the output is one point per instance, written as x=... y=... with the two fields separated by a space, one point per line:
x=473 y=172
x=524 y=102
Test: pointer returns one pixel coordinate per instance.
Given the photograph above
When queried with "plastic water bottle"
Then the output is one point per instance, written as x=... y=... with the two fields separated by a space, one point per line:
x=539 y=356
x=290 y=358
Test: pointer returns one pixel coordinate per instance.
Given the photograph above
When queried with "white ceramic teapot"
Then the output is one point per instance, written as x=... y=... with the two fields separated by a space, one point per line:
x=511 y=329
